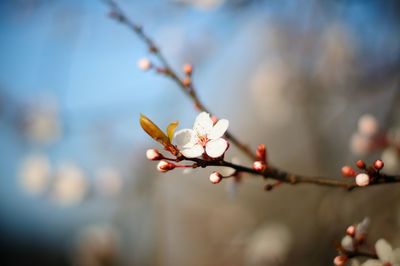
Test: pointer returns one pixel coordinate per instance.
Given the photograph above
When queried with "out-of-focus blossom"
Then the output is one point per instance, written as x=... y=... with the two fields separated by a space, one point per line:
x=70 y=185
x=360 y=144
x=42 y=123
x=205 y=137
x=368 y=125
x=394 y=136
x=35 y=172
x=361 y=228
x=391 y=157
x=268 y=84
x=97 y=245
x=347 y=243
x=108 y=181
x=387 y=256
x=144 y=64
x=335 y=61
x=268 y=246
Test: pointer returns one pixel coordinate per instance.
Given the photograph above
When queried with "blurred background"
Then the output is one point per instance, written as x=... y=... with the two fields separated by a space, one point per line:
x=316 y=81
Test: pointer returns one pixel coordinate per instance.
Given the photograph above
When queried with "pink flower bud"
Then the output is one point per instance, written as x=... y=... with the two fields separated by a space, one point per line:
x=351 y=230
x=259 y=166
x=188 y=69
x=340 y=260
x=261 y=153
x=361 y=164
x=153 y=155
x=378 y=164
x=362 y=180
x=164 y=166
x=347 y=171
x=215 y=177
x=144 y=64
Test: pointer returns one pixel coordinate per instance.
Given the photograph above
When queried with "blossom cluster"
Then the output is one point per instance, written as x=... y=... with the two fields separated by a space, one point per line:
x=353 y=243
x=204 y=141
x=365 y=175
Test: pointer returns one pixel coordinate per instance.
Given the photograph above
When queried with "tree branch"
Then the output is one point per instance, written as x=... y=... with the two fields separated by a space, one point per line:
x=289 y=178
x=188 y=88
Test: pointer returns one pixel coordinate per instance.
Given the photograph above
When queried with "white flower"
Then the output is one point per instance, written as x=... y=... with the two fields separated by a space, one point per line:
x=386 y=254
x=203 y=137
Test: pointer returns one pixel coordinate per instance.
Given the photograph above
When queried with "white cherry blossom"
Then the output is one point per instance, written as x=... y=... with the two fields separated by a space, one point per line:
x=386 y=254
x=204 y=137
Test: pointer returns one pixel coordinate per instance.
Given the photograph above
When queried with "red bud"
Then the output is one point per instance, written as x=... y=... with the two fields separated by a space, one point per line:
x=378 y=164
x=261 y=153
x=361 y=164
x=347 y=171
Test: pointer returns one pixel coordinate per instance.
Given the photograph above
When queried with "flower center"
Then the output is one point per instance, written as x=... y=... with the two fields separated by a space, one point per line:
x=203 y=140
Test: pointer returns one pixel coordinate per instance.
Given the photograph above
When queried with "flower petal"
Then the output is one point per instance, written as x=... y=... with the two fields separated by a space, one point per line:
x=219 y=129
x=185 y=138
x=193 y=152
x=216 y=148
x=203 y=124
x=384 y=250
